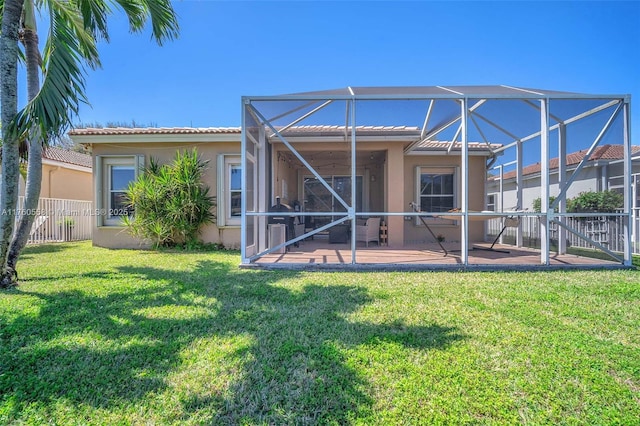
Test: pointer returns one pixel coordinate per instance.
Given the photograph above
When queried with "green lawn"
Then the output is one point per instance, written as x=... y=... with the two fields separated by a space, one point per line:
x=94 y=336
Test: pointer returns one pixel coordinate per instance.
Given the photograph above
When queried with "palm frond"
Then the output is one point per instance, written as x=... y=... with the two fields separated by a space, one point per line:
x=164 y=21
x=69 y=47
x=67 y=14
x=135 y=13
x=94 y=15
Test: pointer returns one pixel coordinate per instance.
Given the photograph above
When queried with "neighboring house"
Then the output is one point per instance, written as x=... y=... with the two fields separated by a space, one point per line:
x=65 y=175
x=603 y=171
x=429 y=176
x=119 y=155
x=66 y=194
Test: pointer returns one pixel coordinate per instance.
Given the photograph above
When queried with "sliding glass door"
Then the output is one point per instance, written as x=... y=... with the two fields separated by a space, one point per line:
x=317 y=197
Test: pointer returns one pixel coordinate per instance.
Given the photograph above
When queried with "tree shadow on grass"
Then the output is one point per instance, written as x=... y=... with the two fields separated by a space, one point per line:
x=31 y=250
x=294 y=370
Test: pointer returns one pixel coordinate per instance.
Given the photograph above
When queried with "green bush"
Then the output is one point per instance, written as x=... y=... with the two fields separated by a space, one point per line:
x=590 y=201
x=170 y=202
x=603 y=202
x=537 y=204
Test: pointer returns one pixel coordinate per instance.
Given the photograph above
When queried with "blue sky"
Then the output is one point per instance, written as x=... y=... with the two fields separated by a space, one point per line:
x=232 y=48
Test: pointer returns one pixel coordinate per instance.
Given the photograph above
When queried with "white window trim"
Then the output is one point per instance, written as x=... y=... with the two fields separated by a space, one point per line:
x=224 y=219
x=437 y=170
x=496 y=200
x=102 y=184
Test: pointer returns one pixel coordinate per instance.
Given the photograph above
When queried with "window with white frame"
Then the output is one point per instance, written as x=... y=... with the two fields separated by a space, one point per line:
x=491 y=202
x=436 y=189
x=114 y=173
x=229 y=190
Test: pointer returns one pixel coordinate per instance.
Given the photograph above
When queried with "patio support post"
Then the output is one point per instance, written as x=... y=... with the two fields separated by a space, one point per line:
x=260 y=194
x=562 y=176
x=501 y=193
x=465 y=182
x=243 y=180
x=352 y=208
x=627 y=182
x=635 y=181
x=519 y=181
x=544 y=181
x=395 y=198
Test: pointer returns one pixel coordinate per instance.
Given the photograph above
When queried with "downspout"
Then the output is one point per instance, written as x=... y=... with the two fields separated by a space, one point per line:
x=49 y=184
x=604 y=177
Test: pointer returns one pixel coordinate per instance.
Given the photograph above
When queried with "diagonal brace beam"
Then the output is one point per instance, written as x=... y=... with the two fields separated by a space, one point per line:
x=576 y=172
x=300 y=157
x=587 y=239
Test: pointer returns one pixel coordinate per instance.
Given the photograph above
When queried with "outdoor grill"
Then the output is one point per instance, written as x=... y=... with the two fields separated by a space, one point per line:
x=287 y=218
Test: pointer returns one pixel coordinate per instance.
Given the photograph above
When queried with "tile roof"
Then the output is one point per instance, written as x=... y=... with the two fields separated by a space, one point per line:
x=305 y=130
x=444 y=145
x=66 y=156
x=153 y=130
x=604 y=152
x=318 y=129
x=328 y=130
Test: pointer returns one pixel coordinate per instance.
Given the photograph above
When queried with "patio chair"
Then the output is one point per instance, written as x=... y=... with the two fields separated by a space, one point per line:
x=369 y=231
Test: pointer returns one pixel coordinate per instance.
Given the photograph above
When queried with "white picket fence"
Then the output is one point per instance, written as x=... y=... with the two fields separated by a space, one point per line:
x=606 y=230
x=59 y=220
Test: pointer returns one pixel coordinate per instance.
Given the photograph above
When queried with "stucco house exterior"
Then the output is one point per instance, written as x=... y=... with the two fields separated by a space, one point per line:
x=66 y=175
x=603 y=171
x=120 y=154
x=383 y=175
x=66 y=197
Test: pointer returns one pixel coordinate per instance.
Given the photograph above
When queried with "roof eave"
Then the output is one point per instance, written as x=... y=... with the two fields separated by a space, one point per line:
x=455 y=152
x=156 y=138
x=66 y=165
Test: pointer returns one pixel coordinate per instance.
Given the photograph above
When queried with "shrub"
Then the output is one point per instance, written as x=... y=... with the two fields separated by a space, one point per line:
x=537 y=204
x=170 y=202
x=604 y=202
x=590 y=201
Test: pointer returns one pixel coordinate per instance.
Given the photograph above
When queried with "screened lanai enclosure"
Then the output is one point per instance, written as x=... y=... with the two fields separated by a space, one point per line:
x=436 y=177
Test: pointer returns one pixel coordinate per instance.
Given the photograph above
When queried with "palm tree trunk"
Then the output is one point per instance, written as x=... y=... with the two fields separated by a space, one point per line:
x=34 y=162
x=10 y=156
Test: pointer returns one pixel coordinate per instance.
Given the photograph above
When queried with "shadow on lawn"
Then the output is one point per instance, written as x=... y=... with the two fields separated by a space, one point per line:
x=294 y=371
x=30 y=250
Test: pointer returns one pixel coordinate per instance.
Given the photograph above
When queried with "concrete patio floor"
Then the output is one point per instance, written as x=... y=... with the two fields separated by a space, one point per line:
x=320 y=254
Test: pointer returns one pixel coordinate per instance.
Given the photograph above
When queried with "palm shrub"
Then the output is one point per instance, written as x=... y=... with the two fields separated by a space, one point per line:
x=170 y=202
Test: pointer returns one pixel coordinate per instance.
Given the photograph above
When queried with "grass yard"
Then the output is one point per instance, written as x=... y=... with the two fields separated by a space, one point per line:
x=95 y=336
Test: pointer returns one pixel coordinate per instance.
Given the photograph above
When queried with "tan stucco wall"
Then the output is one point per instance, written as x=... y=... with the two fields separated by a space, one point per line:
x=294 y=176
x=60 y=182
x=392 y=190
x=394 y=185
x=417 y=233
x=117 y=237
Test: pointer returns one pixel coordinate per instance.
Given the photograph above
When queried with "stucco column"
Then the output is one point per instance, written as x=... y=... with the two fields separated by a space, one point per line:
x=395 y=195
